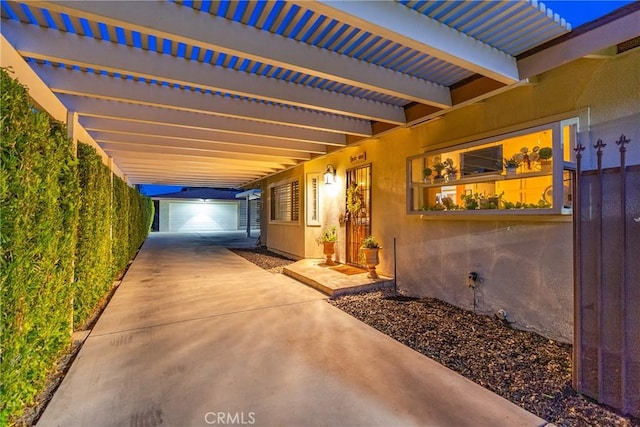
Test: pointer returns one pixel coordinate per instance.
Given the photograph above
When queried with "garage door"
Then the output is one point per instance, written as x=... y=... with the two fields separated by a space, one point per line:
x=189 y=216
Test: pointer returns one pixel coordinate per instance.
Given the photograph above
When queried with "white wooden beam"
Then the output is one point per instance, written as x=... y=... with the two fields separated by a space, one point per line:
x=396 y=22
x=265 y=167
x=610 y=34
x=183 y=24
x=38 y=90
x=122 y=148
x=185 y=135
x=92 y=107
x=167 y=166
x=41 y=94
x=159 y=141
x=57 y=46
x=72 y=82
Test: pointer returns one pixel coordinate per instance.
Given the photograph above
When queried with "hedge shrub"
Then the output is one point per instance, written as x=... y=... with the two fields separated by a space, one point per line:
x=131 y=215
x=39 y=215
x=120 y=227
x=93 y=271
x=58 y=257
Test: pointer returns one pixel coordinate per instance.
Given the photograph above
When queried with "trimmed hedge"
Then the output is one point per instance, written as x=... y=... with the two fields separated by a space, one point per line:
x=120 y=218
x=57 y=221
x=39 y=215
x=94 y=274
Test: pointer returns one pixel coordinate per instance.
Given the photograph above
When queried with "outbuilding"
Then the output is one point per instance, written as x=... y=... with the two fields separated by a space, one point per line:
x=204 y=210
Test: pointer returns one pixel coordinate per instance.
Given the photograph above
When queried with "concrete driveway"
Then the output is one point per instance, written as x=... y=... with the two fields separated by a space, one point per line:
x=197 y=336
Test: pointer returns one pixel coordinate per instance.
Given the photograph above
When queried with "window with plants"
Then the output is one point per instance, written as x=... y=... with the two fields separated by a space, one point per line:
x=508 y=174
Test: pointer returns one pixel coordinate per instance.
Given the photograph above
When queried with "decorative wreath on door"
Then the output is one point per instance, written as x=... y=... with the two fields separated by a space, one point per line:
x=354 y=201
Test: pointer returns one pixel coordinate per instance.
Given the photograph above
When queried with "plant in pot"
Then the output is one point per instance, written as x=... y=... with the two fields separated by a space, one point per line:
x=426 y=174
x=545 y=154
x=439 y=167
x=470 y=201
x=328 y=241
x=511 y=165
x=451 y=170
x=369 y=252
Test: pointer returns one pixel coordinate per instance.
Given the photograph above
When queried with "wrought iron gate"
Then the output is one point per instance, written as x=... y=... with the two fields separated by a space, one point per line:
x=607 y=281
x=359 y=211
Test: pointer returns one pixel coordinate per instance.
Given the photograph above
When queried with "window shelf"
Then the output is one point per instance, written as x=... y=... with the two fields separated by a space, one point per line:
x=539 y=189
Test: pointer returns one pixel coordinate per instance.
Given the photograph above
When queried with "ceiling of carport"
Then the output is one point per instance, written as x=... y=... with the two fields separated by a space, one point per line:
x=221 y=93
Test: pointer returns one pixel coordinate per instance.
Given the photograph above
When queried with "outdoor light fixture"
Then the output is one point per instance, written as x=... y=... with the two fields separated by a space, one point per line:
x=330 y=175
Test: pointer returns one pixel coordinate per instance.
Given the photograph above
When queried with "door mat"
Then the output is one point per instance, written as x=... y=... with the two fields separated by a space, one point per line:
x=348 y=269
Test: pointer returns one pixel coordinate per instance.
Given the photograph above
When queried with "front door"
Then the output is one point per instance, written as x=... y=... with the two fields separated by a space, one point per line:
x=358 y=211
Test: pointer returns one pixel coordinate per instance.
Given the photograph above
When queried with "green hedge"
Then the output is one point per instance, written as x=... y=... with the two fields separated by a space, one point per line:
x=58 y=254
x=120 y=217
x=38 y=233
x=94 y=274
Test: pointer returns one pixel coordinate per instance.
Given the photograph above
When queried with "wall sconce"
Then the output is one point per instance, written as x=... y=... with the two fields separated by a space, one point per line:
x=330 y=175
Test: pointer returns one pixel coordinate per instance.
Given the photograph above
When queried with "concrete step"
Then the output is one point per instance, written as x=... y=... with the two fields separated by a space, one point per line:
x=314 y=273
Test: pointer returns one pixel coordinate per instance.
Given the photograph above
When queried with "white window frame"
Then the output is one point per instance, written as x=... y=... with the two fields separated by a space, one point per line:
x=284 y=202
x=312 y=197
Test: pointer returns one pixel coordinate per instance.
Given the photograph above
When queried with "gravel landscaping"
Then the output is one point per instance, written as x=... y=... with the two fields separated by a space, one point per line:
x=532 y=371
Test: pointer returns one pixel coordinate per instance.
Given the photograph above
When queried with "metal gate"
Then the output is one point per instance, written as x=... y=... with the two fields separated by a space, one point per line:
x=607 y=281
x=359 y=211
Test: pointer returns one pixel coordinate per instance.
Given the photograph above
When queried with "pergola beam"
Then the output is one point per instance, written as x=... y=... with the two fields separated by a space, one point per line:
x=56 y=46
x=95 y=124
x=396 y=22
x=72 y=82
x=182 y=24
x=123 y=148
x=102 y=108
x=159 y=141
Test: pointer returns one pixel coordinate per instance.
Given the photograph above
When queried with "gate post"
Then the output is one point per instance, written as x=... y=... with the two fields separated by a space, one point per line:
x=576 y=372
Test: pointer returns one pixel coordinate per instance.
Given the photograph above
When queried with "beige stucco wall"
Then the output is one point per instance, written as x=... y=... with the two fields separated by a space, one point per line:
x=285 y=238
x=526 y=267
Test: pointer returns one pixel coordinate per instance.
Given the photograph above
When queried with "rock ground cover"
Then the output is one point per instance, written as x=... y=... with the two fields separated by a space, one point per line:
x=523 y=367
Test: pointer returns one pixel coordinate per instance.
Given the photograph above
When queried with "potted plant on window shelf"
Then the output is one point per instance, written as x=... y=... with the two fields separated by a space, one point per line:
x=328 y=240
x=451 y=170
x=511 y=165
x=426 y=175
x=369 y=252
x=439 y=167
x=544 y=155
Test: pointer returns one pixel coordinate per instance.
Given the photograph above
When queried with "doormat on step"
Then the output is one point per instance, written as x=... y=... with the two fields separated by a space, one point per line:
x=348 y=269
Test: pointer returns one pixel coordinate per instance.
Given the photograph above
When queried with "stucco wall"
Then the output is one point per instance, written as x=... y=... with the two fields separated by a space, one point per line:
x=285 y=238
x=526 y=267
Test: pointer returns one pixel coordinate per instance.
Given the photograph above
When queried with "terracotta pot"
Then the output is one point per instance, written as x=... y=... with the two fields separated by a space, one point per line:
x=371 y=260
x=329 y=248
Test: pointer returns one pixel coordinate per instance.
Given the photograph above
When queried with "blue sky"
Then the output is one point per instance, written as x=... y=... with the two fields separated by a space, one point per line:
x=576 y=12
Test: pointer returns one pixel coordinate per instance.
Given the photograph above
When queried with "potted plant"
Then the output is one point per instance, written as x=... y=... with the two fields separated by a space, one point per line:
x=470 y=201
x=511 y=165
x=328 y=240
x=451 y=170
x=439 y=167
x=426 y=174
x=369 y=251
x=545 y=154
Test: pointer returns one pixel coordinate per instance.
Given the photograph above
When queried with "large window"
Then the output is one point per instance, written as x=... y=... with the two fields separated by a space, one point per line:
x=285 y=202
x=523 y=172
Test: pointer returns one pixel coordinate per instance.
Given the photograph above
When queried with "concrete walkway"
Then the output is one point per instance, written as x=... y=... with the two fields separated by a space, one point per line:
x=197 y=336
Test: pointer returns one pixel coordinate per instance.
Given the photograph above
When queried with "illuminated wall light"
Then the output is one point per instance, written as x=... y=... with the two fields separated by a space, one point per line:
x=330 y=175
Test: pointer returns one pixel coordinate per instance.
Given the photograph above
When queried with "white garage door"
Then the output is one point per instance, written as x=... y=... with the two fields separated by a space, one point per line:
x=189 y=216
